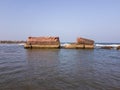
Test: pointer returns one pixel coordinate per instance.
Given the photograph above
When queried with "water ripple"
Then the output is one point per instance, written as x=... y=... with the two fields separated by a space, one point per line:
x=58 y=69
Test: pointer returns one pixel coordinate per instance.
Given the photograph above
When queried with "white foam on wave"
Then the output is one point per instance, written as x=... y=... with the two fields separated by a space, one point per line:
x=64 y=44
x=103 y=45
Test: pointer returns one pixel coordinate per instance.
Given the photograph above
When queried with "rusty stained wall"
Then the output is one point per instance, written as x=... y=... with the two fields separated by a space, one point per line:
x=43 y=40
x=85 y=41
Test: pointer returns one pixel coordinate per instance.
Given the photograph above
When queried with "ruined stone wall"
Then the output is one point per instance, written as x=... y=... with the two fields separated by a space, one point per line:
x=84 y=41
x=43 y=40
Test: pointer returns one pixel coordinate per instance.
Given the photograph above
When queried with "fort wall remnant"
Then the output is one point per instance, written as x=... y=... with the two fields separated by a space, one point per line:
x=54 y=42
x=81 y=43
x=85 y=41
x=42 y=42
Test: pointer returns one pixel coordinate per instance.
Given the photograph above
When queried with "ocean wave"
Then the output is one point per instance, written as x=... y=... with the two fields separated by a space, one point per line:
x=107 y=45
x=114 y=45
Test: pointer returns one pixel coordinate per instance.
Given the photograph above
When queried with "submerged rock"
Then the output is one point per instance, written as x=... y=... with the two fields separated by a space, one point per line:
x=118 y=48
x=107 y=47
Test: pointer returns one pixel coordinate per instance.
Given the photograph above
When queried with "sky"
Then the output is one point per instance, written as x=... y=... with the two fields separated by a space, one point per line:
x=94 y=19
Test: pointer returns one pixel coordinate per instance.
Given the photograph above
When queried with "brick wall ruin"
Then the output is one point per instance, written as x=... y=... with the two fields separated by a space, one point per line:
x=43 y=40
x=84 y=41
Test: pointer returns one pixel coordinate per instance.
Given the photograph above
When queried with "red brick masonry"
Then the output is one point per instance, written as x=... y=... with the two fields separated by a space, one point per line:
x=43 y=40
x=84 y=41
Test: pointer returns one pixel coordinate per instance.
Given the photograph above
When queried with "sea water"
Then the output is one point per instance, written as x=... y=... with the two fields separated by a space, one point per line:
x=58 y=69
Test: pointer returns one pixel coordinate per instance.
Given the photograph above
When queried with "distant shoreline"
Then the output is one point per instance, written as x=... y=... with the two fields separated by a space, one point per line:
x=11 y=42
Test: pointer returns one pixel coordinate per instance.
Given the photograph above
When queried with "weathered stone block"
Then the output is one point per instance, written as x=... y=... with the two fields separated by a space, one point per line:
x=42 y=42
